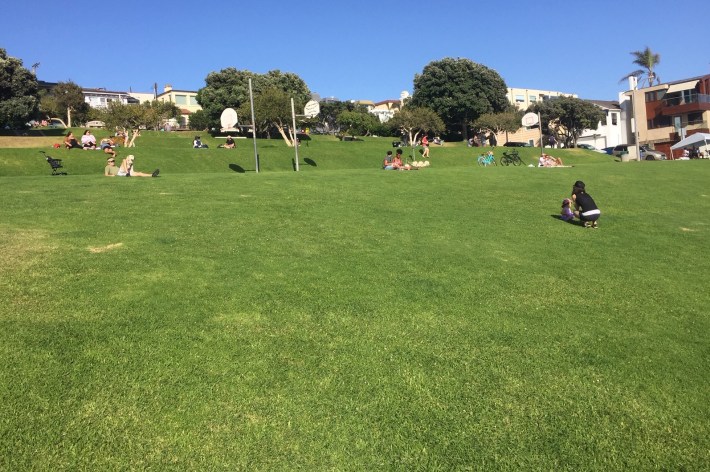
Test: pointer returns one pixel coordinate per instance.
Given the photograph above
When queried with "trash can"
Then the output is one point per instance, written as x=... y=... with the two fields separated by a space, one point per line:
x=625 y=157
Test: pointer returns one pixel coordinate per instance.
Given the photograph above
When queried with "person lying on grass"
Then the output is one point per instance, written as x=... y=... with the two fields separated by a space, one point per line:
x=547 y=160
x=126 y=169
x=111 y=170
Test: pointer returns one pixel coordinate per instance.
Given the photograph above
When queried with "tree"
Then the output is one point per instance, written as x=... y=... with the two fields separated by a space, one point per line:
x=68 y=100
x=507 y=121
x=414 y=121
x=356 y=122
x=459 y=91
x=132 y=118
x=200 y=121
x=648 y=60
x=567 y=117
x=229 y=88
x=19 y=101
x=273 y=111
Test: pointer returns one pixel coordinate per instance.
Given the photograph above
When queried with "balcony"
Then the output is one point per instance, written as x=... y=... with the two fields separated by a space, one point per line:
x=685 y=104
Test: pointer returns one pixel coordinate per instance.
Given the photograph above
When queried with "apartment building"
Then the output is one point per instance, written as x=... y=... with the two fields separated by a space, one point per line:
x=666 y=113
x=186 y=100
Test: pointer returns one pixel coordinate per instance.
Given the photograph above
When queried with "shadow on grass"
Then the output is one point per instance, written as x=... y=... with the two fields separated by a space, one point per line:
x=237 y=168
x=310 y=162
x=571 y=222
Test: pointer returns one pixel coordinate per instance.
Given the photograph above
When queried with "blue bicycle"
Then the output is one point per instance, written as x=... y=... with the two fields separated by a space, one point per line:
x=486 y=160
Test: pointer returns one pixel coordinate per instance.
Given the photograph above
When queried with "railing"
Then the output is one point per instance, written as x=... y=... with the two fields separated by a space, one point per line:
x=683 y=100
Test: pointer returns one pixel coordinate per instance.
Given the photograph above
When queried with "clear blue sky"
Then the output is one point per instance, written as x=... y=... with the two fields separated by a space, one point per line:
x=357 y=49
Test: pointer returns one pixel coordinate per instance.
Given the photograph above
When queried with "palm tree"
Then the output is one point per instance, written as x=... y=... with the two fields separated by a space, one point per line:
x=648 y=60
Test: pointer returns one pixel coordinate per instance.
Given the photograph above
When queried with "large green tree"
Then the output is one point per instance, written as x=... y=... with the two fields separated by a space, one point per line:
x=507 y=121
x=648 y=60
x=416 y=121
x=357 y=122
x=459 y=91
x=272 y=111
x=19 y=101
x=229 y=88
x=567 y=117
x=132 y=118
x=66 y=100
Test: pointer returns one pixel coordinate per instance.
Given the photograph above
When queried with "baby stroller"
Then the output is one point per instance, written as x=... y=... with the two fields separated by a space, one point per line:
x=55 y=164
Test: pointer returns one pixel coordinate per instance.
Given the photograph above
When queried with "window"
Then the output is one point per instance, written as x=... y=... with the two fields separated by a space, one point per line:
x=651 y=96
x=181 y=99
x=193 y=100
x=695 y=118
x=614 y=119
x=659 y=122
x=519 y=98
x=533 y=98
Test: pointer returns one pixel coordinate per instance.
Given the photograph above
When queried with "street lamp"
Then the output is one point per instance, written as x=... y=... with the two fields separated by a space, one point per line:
x=633 y=81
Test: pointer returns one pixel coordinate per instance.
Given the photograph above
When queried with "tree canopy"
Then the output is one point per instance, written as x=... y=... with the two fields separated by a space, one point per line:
x=66 y=99
x=414 y=121
x=459 y=91
x=507 y=121
x=566 y=118
x=357 y=122
x=19 y=101
x=648 y=60
x=129 y=118
x=229 y=88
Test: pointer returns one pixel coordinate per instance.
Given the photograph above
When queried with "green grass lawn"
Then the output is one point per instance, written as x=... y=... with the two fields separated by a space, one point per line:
x=347 y=318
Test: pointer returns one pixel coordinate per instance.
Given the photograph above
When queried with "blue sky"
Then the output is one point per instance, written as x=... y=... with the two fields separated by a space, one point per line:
x=358 y=49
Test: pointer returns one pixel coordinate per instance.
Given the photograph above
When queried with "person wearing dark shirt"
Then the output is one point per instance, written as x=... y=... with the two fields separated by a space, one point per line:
x=229 y=144
x=585 y=207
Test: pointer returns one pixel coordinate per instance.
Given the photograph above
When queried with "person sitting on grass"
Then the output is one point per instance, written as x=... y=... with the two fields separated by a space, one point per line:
x=88 y=140
x=197 y=143
x=229 y=144
x=397 y=161
x=566 y=213
x=126 y=169
x=387 y=162
x=585 y=207
x=111 y=170
x=70 y=141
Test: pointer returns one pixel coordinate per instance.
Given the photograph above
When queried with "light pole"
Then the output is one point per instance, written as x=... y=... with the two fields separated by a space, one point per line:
x=634 y=85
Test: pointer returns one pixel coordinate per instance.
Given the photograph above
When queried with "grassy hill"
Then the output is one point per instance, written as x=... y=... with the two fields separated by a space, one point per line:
x=349 y=318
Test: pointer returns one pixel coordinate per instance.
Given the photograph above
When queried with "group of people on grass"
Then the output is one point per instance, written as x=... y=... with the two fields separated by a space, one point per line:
x=585 y=209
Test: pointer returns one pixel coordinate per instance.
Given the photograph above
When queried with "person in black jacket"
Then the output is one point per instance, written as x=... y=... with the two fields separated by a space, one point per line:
x=585 y=207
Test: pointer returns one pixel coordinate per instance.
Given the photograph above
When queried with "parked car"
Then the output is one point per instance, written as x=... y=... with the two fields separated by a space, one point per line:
x=647 y=153
x=609 y=150
x=95 y=124
x=56 y=123
x=516 y=144
x=589 y=147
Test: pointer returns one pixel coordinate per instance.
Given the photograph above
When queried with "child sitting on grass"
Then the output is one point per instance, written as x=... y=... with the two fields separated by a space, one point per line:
x=566 y=213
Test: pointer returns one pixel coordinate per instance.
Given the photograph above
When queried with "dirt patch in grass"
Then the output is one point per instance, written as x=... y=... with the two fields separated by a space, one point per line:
x=108 y=247
x=29 y=141
x=20 y=248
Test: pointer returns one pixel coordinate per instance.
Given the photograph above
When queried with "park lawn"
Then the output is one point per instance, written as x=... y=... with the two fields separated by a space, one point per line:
x=349 y=318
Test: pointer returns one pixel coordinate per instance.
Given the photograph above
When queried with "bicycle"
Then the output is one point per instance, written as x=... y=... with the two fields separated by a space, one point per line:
x=486 y=160
x=511 y=157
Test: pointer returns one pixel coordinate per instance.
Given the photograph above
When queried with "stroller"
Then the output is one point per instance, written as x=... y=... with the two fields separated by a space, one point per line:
x=55 y=164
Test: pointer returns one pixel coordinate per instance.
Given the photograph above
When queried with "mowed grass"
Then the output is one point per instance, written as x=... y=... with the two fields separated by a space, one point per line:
x=346 y=318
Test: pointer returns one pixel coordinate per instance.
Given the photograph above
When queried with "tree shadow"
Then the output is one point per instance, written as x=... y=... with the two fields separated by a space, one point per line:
x=237 y=168
x=310 y=162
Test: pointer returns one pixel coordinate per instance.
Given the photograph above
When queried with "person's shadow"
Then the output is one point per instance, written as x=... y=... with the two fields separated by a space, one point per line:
x=573 y=221
x=237 y=168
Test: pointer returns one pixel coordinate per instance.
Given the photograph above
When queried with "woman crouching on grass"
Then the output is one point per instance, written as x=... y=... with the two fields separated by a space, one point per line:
x=585 y=208
x=126 y=169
